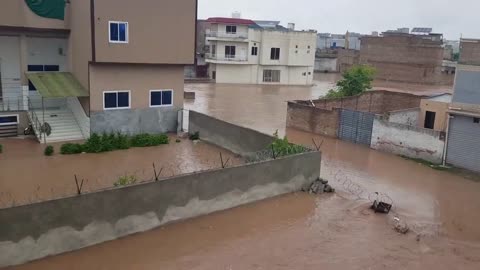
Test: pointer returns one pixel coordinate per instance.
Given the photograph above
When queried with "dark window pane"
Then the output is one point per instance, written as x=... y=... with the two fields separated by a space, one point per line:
x=8 y=119
x=35 y=68
x=110 y=100
x=167 y=98
x=123 y=31
x=52 y=68
x=31 y=87
x=114 y=31
x=123 y=99
x=156 y=98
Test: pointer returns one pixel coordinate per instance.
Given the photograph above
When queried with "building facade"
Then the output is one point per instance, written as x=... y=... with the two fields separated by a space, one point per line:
x=103 y=65
x=404 y=57
x=243 y=52
x=463 y=144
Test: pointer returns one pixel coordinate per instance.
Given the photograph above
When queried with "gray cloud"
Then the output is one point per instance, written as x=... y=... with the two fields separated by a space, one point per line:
x=450 y=17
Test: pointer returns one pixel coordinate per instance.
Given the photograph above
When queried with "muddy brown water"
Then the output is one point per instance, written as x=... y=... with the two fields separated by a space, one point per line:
x=27 y=176
x=301 y=231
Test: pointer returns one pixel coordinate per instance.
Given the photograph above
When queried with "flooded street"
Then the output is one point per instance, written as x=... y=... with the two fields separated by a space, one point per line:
x=301 y=231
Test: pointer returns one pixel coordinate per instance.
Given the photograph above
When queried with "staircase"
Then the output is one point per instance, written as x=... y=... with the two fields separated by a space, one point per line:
x=64 y=125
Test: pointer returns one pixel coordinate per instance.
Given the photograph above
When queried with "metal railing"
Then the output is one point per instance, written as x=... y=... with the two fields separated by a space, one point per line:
x=230 y=58
x=11 y=104
x=35 y=120
x=239 y=35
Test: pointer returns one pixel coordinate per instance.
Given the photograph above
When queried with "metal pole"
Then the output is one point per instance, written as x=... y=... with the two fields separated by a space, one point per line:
x=42 y=124
x=446 y=140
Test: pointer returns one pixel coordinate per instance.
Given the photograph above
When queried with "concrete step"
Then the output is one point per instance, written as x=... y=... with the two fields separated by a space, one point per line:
x=64 y=126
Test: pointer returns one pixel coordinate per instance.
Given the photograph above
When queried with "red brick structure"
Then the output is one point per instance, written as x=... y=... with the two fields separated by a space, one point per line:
x=323 y=118
x=404 y=58
x=469 y=52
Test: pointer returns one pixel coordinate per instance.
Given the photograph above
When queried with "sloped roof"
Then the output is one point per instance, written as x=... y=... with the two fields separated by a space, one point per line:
x=57 y=84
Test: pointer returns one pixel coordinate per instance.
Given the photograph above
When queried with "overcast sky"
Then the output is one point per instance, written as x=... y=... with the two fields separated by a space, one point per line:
x=450 y=17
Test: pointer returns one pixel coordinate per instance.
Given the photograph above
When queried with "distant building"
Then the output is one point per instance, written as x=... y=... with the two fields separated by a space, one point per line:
x=259 y=52
x=463 y=144
x=344 y=41
x=404 y=57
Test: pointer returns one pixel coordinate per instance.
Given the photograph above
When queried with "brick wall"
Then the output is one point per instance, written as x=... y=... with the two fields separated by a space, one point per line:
x=307 y=118
x=403 y=58
x=324 y=117
x=469 y=52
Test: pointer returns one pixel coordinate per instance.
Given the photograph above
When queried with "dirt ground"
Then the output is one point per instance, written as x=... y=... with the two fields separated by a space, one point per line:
x=302 y=231
x=27 y=176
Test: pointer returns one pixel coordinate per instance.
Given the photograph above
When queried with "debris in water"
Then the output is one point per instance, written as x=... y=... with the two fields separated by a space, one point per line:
x=401 y=227
x=382 y=203
x=319 y=186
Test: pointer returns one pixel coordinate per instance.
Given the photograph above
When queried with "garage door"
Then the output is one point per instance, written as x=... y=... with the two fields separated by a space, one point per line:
x=464 y=143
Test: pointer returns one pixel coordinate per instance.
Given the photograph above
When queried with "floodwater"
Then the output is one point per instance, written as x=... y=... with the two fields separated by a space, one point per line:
x=27 y=176
x=301 y=231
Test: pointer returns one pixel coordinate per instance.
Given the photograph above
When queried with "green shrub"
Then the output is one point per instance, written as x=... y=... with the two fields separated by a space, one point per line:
x=121 y=141
x=125 y=181
x=71 y=148
x=144 y=140
x=195 y=136
x=1 y=148
x=282 y=147
x=48 y=150
x=93 y=144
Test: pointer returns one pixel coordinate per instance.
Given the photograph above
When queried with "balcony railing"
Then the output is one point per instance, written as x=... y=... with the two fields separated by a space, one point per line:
x=227 y=58
x=235 y=35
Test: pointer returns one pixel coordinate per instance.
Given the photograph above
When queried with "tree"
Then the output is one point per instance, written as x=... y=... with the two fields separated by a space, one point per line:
x=355 y=81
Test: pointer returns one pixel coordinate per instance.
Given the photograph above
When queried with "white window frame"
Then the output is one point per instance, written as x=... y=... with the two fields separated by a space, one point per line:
x=159 y=90
x=118 y=108
x=231 y=27
x=10 y=123
x=127 y=32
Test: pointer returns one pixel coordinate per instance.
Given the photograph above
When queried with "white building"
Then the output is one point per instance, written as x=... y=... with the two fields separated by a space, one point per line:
x=242 y=51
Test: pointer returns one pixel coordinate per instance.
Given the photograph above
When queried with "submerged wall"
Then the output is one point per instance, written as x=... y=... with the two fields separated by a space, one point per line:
x=409 y=141
x=239 y=140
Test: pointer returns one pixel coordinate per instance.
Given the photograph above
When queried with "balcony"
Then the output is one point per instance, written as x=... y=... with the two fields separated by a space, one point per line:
x=223 y=59
x=238 y=36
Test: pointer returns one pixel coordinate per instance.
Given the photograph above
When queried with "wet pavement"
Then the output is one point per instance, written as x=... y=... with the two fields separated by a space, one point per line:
x=301 y=231
x=27 y=176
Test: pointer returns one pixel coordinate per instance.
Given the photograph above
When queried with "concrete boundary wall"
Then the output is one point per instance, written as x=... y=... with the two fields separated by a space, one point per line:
x=240 y=140
x=405 y=140
x=35 y=231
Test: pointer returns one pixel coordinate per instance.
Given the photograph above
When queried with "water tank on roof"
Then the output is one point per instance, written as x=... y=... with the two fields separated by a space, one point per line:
x=236 y=15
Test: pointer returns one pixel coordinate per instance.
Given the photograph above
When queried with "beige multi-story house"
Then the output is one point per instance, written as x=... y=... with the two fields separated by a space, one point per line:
x=93 y=66
x=263 y=52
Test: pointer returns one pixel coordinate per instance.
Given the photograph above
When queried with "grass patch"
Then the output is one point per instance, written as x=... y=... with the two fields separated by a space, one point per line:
x=114 y=141
x=450 y=169
x=125 y=181
x=49 y=151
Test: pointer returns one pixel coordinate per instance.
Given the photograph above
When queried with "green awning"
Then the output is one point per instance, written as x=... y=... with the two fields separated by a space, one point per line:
x=57 y=84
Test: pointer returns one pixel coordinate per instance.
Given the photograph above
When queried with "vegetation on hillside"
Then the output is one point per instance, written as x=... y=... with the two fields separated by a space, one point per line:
x=356 y=80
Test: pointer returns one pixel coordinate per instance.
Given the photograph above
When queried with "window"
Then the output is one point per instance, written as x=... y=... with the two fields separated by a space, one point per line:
x=430 y=120
x=118 y=32
x=231 y=29
x=40 y=68
x=271 y=75
x=230 y=51
x=214 y=50
x=254 y=50
x=161 y=98
x=116 y=100
x=275 y=54
x=6 y=120
x=476 y=120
